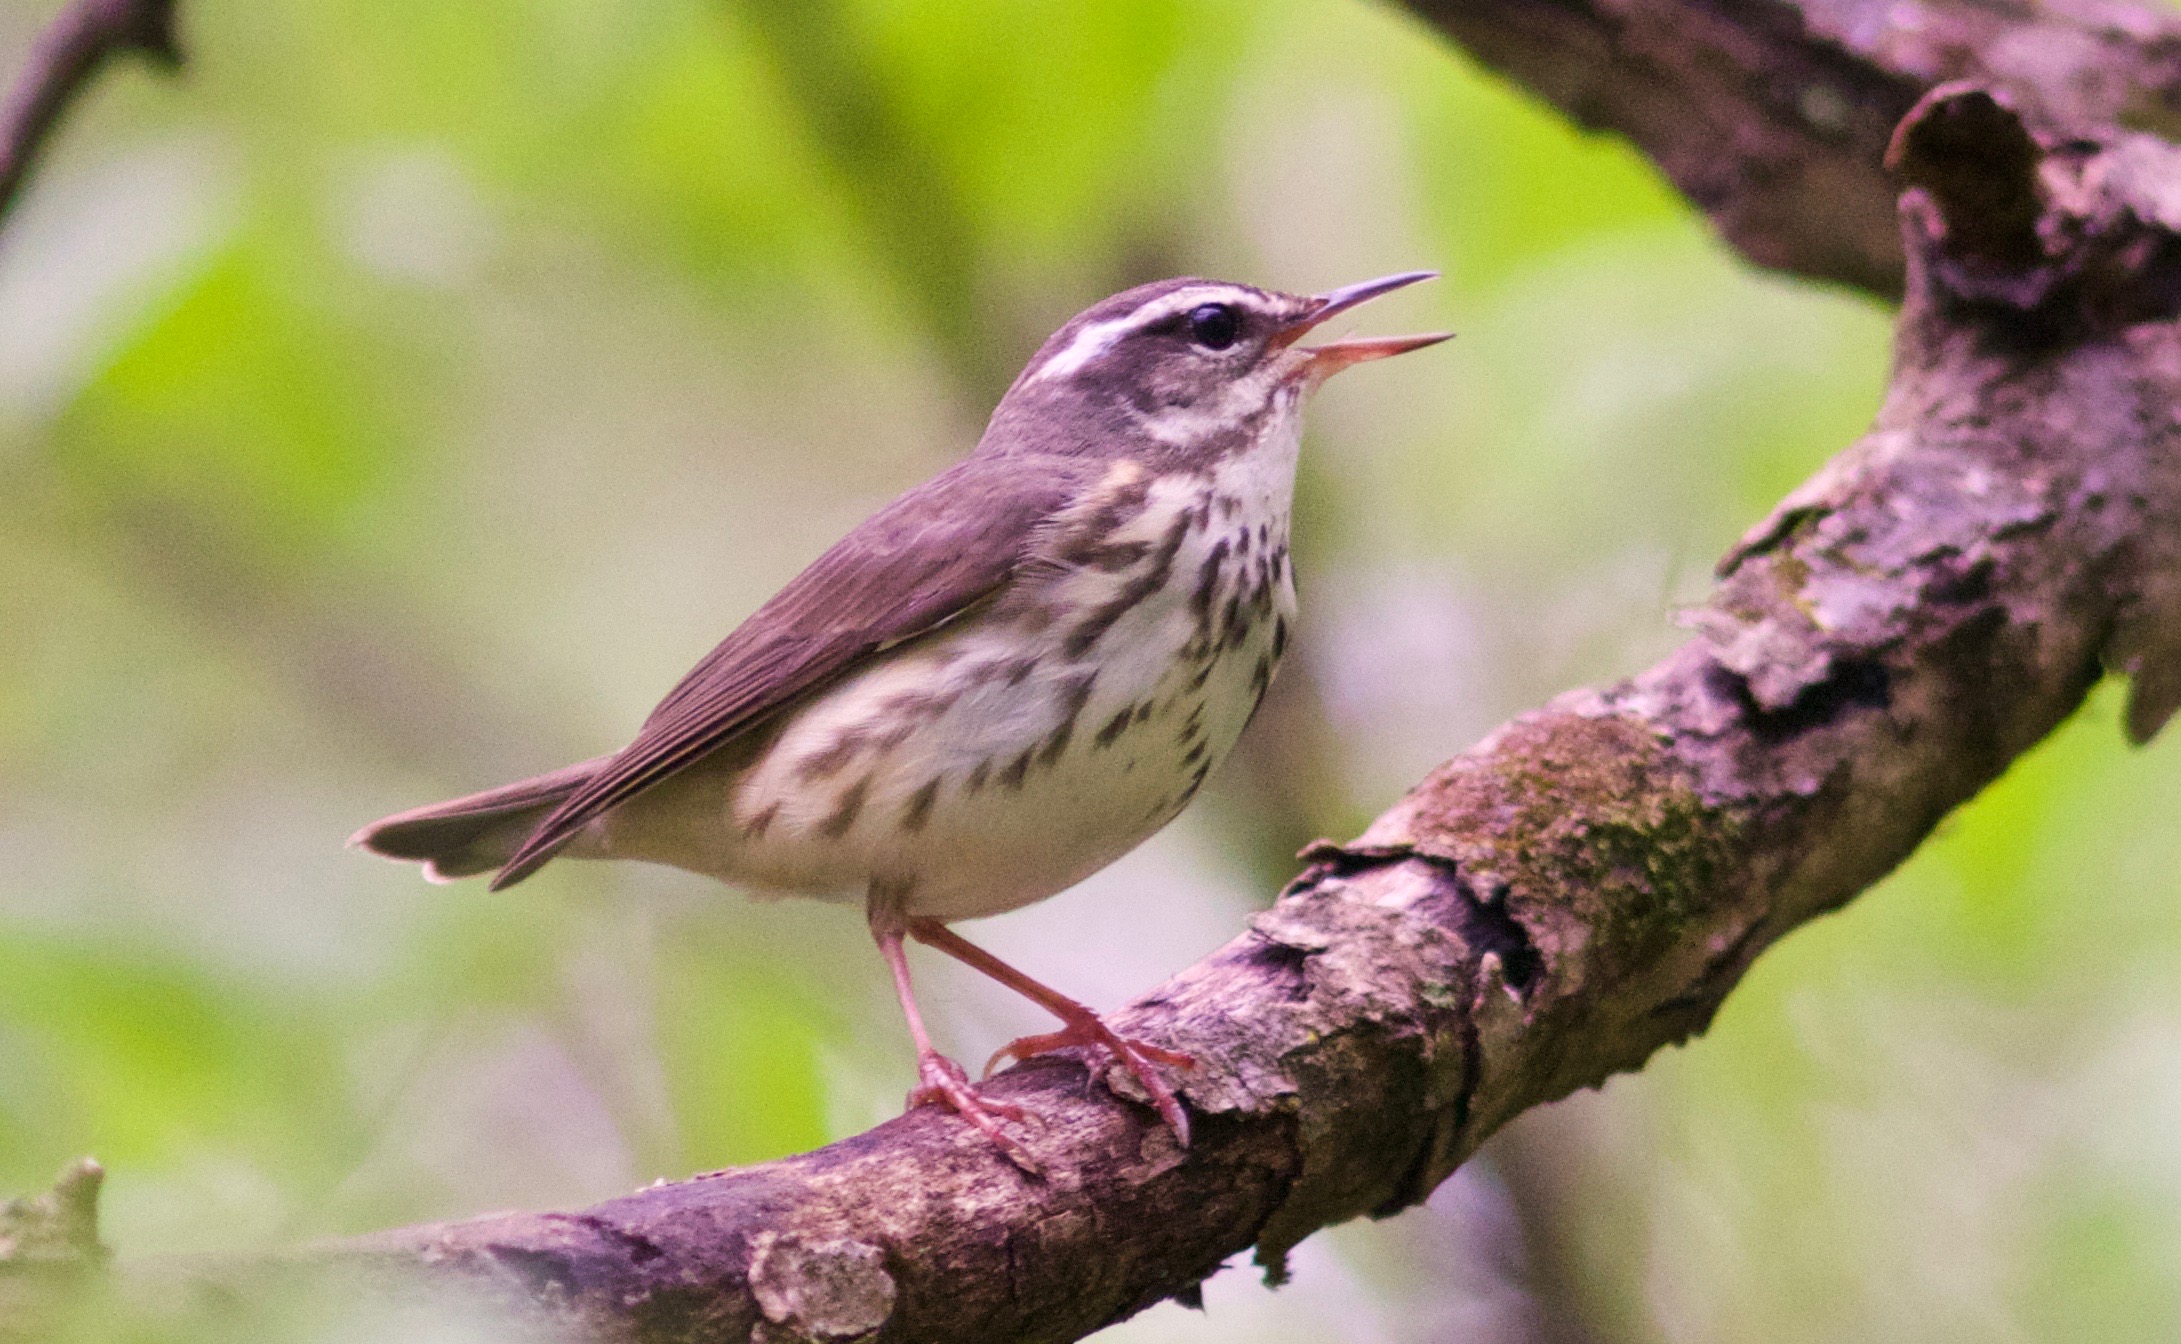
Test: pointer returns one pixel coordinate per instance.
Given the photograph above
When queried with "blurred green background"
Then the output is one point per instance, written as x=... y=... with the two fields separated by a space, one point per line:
x=399 y=401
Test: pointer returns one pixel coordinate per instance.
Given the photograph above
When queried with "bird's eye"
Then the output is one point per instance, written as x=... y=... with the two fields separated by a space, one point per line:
x=1214 y=325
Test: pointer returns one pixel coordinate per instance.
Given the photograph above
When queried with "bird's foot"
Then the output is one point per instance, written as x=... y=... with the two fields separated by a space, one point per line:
x=943 y=1083
x=1136 y=1056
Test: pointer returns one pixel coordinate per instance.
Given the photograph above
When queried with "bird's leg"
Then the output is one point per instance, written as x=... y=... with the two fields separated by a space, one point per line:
x=1080 y=1026
x=940 y=1079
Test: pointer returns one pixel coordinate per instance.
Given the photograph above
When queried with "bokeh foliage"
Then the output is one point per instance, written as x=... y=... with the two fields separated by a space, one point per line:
x=401 y=399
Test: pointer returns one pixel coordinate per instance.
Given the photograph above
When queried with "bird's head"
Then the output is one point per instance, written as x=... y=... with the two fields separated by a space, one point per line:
x=1192 y=368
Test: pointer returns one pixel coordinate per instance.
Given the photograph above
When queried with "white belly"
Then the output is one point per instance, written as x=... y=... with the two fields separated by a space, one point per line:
x=1003 y=759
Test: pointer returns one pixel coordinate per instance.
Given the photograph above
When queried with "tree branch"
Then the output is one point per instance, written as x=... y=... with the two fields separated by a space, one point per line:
x=62 y=61
x=48 y=1246
x=1587 y=884
x=1773 y=116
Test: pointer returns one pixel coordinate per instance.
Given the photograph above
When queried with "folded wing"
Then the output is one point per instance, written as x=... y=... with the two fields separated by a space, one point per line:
x=931 y=555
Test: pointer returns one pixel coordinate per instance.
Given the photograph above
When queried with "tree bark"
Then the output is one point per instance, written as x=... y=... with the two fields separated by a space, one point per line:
x=1773 y=117
x=1587 y=884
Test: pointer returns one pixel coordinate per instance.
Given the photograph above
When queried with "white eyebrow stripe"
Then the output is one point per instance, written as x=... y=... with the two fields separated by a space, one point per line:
x=1099 y=337
x=1089 y=343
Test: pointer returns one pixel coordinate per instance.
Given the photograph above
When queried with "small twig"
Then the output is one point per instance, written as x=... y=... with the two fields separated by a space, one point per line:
x=62 y=61
x=59 y=1227
x=49 y=1246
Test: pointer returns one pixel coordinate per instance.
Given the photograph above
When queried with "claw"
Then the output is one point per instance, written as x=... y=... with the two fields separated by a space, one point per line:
x=943 y=1083
x=1134 y=1055
x=1024 y=1047
x=1044 y=1043
x=1081 y=1025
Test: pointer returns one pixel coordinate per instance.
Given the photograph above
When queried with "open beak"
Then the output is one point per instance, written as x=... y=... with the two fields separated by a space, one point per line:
x=1323 y=361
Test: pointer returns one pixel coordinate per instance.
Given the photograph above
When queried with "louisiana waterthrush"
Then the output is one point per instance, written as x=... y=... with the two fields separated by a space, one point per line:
x=1000 y=683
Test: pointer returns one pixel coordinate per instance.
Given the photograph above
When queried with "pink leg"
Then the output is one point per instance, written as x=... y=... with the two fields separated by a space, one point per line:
x=941 y=1080
x=1081 y=1025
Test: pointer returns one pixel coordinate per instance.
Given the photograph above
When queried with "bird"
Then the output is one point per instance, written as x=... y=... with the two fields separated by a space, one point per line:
x=999 y=683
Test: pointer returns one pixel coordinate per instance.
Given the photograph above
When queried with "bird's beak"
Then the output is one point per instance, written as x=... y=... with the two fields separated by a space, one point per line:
x=1323 y=361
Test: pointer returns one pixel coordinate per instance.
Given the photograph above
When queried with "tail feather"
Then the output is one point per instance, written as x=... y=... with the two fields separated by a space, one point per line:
x=468 y=836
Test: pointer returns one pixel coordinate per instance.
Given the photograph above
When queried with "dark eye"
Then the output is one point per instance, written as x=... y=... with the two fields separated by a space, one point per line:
x=1214 y=325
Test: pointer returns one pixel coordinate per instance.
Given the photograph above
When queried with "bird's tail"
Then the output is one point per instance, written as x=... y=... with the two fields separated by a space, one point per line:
x=468 y=836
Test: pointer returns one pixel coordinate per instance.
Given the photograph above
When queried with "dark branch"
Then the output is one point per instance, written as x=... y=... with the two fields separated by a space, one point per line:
x=1774 y=117
x=62 y=61
x=1587 y=884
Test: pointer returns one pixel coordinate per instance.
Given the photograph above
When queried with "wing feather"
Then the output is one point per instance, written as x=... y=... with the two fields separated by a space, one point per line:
x=923 y=560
